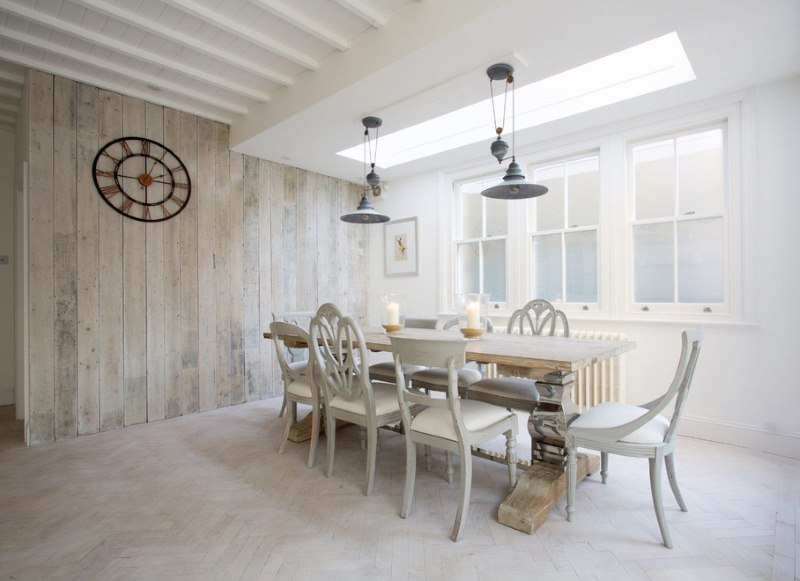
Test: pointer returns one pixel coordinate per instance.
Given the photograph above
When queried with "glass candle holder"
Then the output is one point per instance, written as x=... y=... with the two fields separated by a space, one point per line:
x=473 y=308
x=393 y=317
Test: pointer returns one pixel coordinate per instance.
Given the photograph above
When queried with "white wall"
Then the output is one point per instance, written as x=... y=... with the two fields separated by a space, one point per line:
x=7 y=270
x=746 y=390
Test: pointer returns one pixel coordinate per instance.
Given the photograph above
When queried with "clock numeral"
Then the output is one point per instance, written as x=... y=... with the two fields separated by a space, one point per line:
x=177 y=200
x=178 y=169
x=109 y=156
x=146 y=213
x=182 y=186
x=109 y=191
x=126 y=205
x=126 y=148
x=167 y=213
x=103 y=173
x=145 y=147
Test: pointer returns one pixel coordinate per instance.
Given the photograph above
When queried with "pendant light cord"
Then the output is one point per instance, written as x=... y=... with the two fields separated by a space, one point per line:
x=497 y=128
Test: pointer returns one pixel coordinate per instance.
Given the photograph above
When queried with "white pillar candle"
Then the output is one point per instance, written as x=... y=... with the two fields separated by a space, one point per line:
x=393 y=314
x=474 y=316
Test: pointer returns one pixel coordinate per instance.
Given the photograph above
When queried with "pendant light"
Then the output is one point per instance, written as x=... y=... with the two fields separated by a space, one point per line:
x=514 y=186
x=365 y=213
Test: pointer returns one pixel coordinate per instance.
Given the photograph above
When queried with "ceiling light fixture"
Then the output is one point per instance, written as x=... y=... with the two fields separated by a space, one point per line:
x=514 y=186
x=365 y=213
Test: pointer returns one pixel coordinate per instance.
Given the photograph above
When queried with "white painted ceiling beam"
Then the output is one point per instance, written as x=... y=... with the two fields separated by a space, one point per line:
x=117 y=68
x=156 y=98
x=154 y=27
x=236 y=28
x=123 y=48
x=364 y=12
x=304 y=23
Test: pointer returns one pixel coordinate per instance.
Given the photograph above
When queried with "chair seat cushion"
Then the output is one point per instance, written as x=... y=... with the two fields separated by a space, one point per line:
x=438 y=377
x=385 y=371
x=300 y=388
x=609 y=415
x=477 y=415
x=515 y=392
x=384 y=394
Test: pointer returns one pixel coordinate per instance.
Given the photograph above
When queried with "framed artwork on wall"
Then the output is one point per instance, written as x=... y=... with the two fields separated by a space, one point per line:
x=400 y=247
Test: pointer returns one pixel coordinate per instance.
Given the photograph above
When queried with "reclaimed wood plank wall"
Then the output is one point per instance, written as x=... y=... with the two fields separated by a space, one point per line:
x=133 y=322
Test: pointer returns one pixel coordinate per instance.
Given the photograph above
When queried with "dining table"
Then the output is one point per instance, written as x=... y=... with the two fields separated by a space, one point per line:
x=552 y=362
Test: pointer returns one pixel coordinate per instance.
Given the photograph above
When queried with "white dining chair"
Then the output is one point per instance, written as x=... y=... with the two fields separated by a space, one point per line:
x=297 y=357
x=639 y=431
x=449 y=423
x=384 y=371
x=342 y=366
x=298 y=385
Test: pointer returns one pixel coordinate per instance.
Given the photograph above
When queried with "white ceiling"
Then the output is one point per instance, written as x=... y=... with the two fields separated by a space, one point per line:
x=295 y=77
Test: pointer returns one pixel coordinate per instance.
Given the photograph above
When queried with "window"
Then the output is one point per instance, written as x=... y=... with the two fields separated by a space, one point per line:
x=480 y=244
x=564 y=239
x=677 y=207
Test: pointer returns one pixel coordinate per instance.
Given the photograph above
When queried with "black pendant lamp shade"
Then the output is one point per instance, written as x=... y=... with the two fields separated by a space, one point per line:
x=365 y=213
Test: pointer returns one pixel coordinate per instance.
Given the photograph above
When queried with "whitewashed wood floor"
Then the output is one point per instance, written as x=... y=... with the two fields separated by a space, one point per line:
x=208 y=497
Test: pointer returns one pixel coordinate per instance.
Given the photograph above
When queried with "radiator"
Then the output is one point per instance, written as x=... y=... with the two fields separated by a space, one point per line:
x=603 y=381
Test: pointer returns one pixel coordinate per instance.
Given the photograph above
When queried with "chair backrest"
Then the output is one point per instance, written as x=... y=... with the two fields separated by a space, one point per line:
x=691 y=343
x=280 y=333
x=561 y=319
x=341 y=357
x=453 y=322
x=301 y=319
x=421 y=322
x=447 y=354
x=537 y=317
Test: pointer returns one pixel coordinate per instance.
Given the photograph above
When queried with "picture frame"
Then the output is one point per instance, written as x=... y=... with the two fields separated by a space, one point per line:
x=400 y=247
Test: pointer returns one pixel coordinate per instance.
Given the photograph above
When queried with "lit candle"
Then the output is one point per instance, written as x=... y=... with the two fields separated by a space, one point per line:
x=474 y=316
x=393 y=314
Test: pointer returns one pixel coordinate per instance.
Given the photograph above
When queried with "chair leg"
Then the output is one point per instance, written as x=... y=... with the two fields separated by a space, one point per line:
x=372 y=449
x=604 y=466
x=315 y=421
x=448 y=458
x=463 y=501
x=411 y=473
x=291 y=418
x=673 y=481
x=330 y=433
x=655 y=488
x=511 y=458
x=572 y=468
x=283 y=405
x=427 y=458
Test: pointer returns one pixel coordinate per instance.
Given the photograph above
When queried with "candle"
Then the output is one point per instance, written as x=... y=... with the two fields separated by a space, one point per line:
x=392 y=314
x=474 y=316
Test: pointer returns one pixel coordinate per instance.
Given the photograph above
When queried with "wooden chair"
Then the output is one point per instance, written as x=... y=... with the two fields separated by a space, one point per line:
x=384 y=371
x=449 y=423
x=296 y=356
x=639 y=431
x=298 y=386
x=342 y=360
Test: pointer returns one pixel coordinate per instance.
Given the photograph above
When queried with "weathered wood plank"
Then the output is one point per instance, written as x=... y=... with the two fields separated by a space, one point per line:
x=279 y=271
x=324 y=209
x=205 y=262
x=306 y=241
x=190 y=321
x=288 y=236
x=87 y=264
x=222 y=273
x=154 y=245
x=40 y=274
x=252 y=368
x=110 y=274
x=237 y=276
x=65 y=264
x=172 y=285
x=134 y=291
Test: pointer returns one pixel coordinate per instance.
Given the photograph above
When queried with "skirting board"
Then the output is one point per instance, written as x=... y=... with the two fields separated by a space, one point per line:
x=6 y=396
x=752 y=437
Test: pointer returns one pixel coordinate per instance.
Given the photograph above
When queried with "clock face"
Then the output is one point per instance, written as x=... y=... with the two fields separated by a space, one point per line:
x=141 y=179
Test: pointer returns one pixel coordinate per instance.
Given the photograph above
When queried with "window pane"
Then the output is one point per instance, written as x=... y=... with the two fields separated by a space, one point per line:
x=550 y=207
x=547 y=267
x=654 y=175
x=581 y=271
x=700 y=261
x=494 y=270
x=653 y=263
x=468 y=273
x=496 y=217
x=701 y=172
x=584 y=192
x=471 y=226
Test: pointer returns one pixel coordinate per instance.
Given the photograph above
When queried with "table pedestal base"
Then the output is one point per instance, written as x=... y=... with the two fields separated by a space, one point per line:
x=301 y=429
x=537 y=491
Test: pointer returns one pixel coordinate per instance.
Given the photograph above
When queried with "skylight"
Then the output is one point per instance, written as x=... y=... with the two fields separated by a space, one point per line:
x=639 y=70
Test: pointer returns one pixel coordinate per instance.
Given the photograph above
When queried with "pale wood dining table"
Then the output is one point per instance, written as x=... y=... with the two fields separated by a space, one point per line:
x=552 y=361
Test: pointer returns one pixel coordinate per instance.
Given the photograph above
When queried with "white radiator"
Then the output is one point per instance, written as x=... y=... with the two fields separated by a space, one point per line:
x=601 y=382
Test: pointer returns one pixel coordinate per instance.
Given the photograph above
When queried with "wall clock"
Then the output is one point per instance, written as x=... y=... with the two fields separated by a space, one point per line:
x=141 y=179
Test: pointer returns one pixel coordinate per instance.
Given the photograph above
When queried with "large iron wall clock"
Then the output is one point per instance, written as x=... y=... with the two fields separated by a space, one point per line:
x=141 y=179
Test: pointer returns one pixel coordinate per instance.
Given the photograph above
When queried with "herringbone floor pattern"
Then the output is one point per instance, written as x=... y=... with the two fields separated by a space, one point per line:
x=208 y=497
